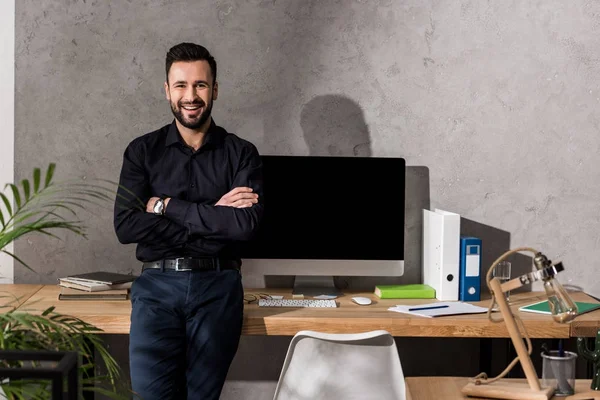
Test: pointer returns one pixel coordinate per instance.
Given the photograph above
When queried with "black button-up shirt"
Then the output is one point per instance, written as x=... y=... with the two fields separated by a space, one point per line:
x=160 y=164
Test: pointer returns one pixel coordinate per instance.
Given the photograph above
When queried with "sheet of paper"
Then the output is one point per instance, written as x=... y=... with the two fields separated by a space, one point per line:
x=439 y=309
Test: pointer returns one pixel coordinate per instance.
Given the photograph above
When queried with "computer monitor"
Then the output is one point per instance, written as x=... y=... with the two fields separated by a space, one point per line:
x=330 y=216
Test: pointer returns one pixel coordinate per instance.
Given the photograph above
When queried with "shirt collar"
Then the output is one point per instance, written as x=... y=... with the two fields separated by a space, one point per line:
x=213 y=136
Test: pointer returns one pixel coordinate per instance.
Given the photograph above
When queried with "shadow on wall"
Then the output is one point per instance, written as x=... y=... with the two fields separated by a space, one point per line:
x=334 y=125
x=494 y=243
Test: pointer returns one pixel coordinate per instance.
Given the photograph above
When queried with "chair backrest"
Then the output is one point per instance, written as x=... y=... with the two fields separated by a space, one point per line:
x=341 y=366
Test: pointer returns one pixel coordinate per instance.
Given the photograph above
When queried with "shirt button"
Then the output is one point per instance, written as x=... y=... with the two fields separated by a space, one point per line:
x=192 y=185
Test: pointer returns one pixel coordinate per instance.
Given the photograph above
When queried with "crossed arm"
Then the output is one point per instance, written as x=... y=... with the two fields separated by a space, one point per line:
x=235 y=216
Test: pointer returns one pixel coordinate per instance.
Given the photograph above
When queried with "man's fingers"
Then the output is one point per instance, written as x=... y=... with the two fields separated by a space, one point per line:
x=240 y=189
x=244 y=203
x=150 y=204
x=242 y=196
x=238 y=196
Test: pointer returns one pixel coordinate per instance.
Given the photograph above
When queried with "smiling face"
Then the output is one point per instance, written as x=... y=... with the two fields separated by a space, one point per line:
x=191 y=92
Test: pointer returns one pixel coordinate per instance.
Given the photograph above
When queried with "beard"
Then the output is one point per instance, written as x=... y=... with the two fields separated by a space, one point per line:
x=195 y=122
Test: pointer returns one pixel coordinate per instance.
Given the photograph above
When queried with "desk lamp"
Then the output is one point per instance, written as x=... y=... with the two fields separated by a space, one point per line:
x=563 y=310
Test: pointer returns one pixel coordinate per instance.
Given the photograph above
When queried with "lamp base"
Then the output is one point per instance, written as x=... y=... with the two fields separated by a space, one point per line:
x=507 y=390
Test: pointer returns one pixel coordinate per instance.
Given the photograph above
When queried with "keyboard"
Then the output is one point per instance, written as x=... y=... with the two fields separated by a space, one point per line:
x=297 y=303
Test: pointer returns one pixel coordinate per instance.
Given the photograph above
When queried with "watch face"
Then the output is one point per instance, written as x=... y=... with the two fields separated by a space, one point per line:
x=158 y=206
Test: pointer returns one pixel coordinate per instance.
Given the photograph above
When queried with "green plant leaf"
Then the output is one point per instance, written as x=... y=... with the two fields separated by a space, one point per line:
x=48 y=311
x=57 y=332
x=41 y=227
x=49 y=174
x=19 y=260
x=36 y=180
x=30 y=215
x=26 y=188
x=16 y=195
x=62 y=205
x=45 y=210
x=7 y=204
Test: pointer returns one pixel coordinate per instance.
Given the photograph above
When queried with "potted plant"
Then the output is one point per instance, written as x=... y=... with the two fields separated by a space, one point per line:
x=41 y=206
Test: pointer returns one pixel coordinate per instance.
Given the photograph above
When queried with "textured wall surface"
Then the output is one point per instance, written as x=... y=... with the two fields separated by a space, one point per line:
x=494 y=105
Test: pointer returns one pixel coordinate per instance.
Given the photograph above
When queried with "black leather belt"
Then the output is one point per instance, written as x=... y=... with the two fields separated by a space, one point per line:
x=192 y=264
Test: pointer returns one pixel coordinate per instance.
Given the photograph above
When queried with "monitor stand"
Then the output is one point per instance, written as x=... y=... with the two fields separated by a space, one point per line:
x=311 y=286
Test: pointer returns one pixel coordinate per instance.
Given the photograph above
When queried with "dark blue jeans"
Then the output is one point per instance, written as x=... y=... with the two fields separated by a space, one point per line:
x=185 y=331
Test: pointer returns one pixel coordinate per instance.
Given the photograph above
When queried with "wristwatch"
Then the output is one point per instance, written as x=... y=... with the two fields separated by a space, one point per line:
x=159 y=207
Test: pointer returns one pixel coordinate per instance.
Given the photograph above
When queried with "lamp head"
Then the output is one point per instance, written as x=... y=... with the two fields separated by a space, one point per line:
x=563 y=308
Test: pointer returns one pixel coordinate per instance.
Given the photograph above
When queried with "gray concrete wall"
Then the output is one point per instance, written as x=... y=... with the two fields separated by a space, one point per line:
x=494 y=105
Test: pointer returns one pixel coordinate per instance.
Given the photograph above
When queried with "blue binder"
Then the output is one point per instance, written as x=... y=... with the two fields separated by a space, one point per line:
x=469 y=288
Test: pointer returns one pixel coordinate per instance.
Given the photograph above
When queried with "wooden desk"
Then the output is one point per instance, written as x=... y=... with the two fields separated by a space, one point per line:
x=350 y=317
x=113 y=317
x=586 y=325
x=449 y=388
x=14 y=295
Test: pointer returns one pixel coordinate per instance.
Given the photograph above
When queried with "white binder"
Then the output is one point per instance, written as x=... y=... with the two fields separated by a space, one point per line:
x=441 y=253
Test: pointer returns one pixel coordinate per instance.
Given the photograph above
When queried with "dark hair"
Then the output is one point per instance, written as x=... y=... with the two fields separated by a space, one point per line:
x=190 y=52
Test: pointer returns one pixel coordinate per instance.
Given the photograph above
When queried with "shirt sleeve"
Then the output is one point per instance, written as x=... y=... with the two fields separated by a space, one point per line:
x=131 y=221
x=222 y=222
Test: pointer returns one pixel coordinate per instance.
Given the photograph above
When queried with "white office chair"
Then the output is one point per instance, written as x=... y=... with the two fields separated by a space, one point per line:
x=341 y=366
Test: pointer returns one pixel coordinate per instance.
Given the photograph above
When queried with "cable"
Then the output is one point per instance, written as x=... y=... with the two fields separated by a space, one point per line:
x=250 y=298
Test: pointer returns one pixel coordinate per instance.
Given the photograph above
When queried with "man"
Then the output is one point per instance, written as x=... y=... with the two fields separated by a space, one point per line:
x=189 y=192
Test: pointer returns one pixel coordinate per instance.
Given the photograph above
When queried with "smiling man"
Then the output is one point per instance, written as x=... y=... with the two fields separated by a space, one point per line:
x=189 y=193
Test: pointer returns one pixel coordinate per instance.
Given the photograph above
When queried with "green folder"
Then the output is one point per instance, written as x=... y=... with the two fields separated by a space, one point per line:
x=543 y=307
x=414 y=291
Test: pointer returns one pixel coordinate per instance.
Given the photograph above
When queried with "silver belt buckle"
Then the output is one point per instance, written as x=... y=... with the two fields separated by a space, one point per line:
x=178 y=268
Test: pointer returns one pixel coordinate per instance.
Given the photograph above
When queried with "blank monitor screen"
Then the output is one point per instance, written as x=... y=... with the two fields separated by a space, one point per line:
x=331 y=208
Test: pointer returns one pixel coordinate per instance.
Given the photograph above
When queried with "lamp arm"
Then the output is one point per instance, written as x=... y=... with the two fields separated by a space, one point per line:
x=488 y=278
x=482 y=378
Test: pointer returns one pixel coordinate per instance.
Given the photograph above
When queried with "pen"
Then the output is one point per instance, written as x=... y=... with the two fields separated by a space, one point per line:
x=561 y=351
x=426 y=308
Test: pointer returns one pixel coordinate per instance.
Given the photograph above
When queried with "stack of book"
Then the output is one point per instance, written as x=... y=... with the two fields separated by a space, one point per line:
x=99 y=285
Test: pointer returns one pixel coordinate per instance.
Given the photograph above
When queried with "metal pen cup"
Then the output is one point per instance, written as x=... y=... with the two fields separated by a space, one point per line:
x=558 y=371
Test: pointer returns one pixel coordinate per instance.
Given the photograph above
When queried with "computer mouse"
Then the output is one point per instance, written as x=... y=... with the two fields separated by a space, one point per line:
x=363 y=301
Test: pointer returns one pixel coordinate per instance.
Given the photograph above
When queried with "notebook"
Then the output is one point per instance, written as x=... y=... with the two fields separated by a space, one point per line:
x=542 y=307
x=108 y=278
x=74 y=294
x=97 y=281
x=413 y=291
x=90 y=286
x=439 y=309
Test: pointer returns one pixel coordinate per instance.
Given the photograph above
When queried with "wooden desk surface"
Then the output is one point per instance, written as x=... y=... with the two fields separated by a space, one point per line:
x=586 y=325
x=113 y=316
x=13 y=295
x=350 y=317
x=449 y=388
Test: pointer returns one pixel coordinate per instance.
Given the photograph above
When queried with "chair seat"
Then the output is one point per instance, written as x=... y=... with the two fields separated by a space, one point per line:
x=341 y=366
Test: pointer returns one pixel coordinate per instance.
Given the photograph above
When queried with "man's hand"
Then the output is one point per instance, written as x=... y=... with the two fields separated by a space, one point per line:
x=239 y=197
x=152 y=201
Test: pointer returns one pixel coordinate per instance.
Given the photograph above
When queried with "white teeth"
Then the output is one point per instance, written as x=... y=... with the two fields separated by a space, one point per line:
x=191 y=108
